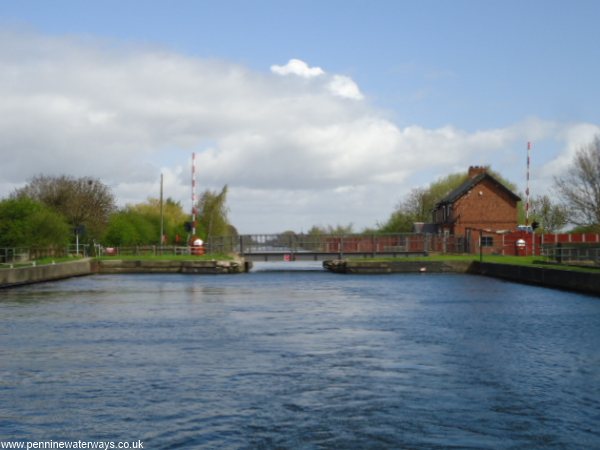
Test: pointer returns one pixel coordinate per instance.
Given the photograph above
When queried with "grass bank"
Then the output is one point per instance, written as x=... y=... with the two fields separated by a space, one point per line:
x=40 y=262
x=529 y=261
x=206 y=257
x=64 y=259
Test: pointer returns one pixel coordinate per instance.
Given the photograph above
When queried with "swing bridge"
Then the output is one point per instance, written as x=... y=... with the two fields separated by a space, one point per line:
x=304 y=247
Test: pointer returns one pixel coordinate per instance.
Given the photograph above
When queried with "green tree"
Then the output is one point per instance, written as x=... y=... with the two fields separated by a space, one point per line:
x=418 y=205
x=399 y=222
x=319 y=230
x=579 y=186
x=27 y=223
x=129 y=227
x=551 y=217
x=212 y=214
x=174 y=218
x=81 y=201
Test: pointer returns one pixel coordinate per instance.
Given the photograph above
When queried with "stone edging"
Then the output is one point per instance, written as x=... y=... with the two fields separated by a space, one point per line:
x=88 y=266
x=47 y=272
x=586 y=282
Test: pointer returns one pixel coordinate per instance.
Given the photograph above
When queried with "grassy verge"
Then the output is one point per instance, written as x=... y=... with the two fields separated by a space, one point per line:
x=48 y=261
x=459 y=257
x=40 y=262
x=207 y=257
x=531 y=261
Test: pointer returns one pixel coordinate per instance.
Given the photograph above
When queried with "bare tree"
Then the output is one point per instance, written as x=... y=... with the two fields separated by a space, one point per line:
x=551 y=216
x=81 y=201
x=579 y=186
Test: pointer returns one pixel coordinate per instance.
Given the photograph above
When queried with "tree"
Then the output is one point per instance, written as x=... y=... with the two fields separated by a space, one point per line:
x=552 y=217
x=27 y=223
x=579 y=186
x=174 y=217
x=212 y=214
x=338 y=230
x=129 y=227
x=399 y=222
x=81 y=201
x=420 y=202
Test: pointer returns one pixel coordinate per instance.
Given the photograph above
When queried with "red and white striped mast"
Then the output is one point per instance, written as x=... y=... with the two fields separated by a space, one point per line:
x=527 y=187
x=193 y=194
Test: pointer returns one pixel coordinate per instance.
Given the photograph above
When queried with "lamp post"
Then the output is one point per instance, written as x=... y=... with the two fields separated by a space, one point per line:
x=162 y=228
x=79 y=230
x=480 y=245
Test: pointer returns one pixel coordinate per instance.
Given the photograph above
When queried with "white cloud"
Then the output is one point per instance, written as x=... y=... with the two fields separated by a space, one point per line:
x=299 y=68
x=576 y=137
x=340 y=85
x=345 y=87
x=294 y=151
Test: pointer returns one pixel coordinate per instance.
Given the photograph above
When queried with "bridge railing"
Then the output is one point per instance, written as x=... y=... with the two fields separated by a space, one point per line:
x=292 y=243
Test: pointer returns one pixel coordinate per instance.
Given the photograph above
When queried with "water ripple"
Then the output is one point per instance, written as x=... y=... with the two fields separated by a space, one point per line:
x=304 y=360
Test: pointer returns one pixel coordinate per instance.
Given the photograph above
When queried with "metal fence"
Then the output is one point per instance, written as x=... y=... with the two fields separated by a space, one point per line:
x=11 y=255
x=145 y=250
x=375 y=244
x=573 y=254
x=290 y=244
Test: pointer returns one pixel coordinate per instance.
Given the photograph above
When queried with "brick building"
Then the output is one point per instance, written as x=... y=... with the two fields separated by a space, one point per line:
x=481 y=202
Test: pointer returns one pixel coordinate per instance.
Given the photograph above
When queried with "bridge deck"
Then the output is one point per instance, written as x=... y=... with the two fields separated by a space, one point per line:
x=302 y=247
x=320 y=256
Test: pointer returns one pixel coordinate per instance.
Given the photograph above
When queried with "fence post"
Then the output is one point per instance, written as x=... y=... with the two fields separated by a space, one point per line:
x=292 y=244
x=373 y=249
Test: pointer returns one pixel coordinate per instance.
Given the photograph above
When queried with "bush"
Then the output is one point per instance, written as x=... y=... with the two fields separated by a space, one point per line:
x=27 y=223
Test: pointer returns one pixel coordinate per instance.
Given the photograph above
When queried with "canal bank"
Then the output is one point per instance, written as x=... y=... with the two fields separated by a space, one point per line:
x=31 y=274
x=201 y=267
x=18 y=276
x=578 y=281
x=571 y=280
x=395 y=266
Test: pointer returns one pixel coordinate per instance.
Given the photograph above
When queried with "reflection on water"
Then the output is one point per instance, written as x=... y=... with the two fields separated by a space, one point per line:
x=300 y=360
x=287 y=266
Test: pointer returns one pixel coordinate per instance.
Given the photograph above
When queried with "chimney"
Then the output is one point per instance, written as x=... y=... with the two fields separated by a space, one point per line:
x=476 y=170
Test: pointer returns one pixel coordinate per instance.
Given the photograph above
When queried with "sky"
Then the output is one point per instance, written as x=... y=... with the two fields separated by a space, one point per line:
x=312 y=112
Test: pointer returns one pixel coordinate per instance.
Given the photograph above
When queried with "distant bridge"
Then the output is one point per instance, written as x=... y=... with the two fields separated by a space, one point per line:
x=304 y=247
x=277 y=247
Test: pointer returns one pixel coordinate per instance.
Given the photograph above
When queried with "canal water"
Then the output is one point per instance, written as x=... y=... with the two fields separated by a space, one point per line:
x=300 y=360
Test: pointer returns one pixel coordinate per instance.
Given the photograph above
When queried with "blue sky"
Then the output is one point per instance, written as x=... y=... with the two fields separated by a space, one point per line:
x=470 y=63
x=434 y=86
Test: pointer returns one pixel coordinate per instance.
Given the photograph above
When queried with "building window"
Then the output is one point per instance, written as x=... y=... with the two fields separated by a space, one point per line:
x=487 y=241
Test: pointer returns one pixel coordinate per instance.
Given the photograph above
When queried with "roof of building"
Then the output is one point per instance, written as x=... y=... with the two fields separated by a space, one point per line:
x=470 y=184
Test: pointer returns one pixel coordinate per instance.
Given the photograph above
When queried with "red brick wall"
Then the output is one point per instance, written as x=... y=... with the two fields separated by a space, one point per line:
x=535 y=242
x=485 y=206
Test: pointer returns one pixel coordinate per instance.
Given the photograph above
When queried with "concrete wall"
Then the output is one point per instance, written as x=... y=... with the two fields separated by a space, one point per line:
x=366 y=267
x=587 y=282
x=191 y=267
x=49 y=272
